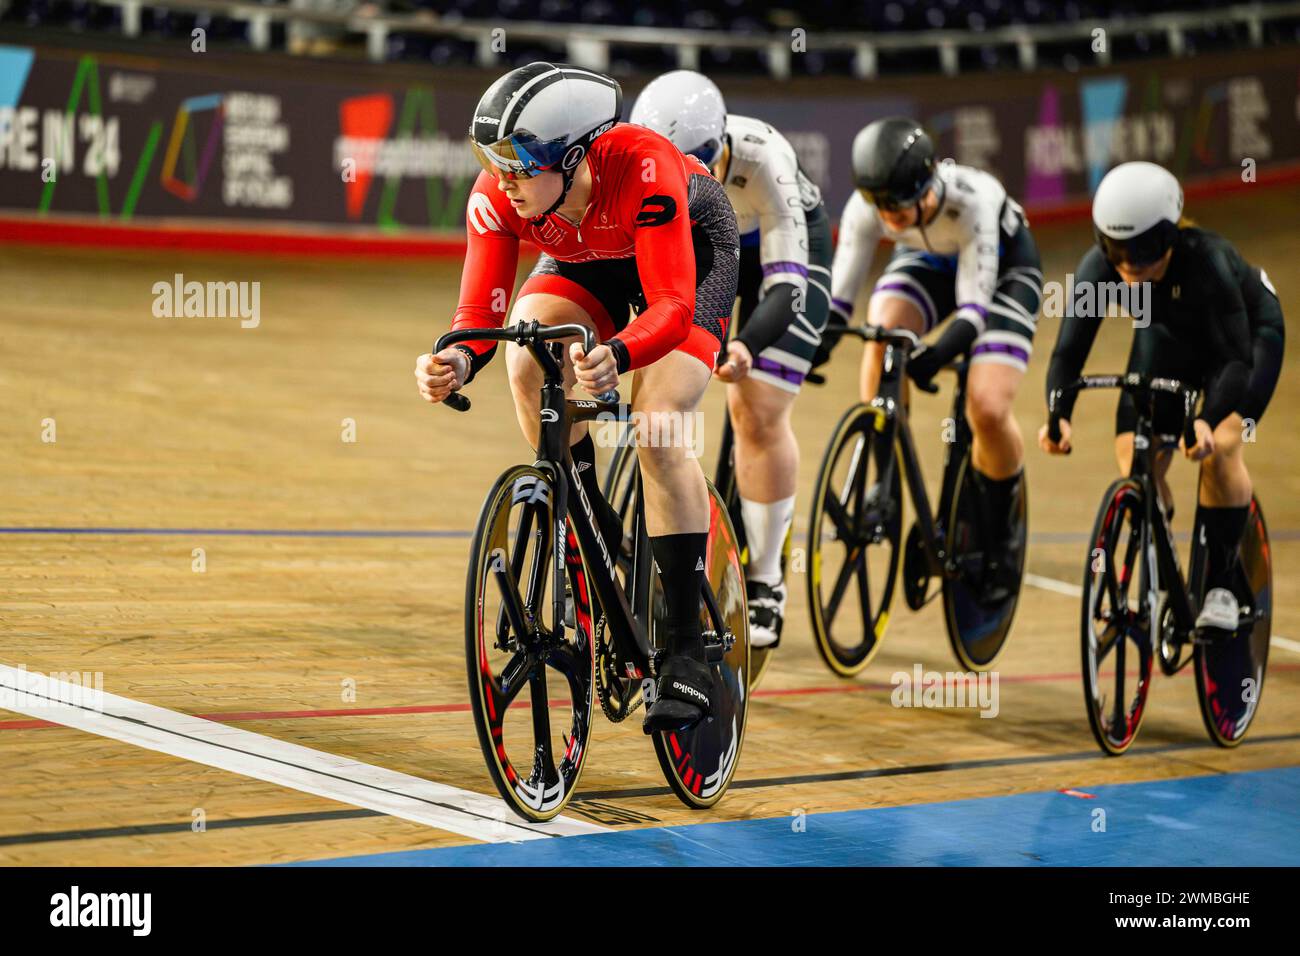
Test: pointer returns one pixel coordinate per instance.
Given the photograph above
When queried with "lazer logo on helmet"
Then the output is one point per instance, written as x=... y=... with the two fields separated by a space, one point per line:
x=487 y=119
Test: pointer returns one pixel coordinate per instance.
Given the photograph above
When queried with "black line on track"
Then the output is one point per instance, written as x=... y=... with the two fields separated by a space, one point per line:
x=757 y=783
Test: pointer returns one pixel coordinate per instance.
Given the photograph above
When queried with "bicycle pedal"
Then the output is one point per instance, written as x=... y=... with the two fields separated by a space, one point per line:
x=1207 y=636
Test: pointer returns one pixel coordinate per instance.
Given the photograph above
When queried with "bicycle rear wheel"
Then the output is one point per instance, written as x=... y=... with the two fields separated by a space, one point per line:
x=1116 y=624
x=977 y=631
x=1230 y=673
x=516 y=656
x=853 y=540
x=699 y=763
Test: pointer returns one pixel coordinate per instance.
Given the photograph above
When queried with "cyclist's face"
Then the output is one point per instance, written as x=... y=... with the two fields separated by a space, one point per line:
x=531 y=197
x=905 y=217
x=1137 y=274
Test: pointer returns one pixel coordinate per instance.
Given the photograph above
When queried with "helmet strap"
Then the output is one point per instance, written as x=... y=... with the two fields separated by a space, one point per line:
x=564 y=193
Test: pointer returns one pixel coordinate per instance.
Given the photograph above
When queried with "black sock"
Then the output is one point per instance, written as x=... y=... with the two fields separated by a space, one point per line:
x=611 y=527
x=999 y=497
x=1223 y=528
x=681 y=569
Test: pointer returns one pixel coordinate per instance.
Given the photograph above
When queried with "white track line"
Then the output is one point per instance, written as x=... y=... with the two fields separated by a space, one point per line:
x=276 y=761
x=1051 y=584
x=1073 y=590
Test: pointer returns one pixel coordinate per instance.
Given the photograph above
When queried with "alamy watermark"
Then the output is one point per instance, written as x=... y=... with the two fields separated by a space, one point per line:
x=208 y=300
x=1100 y=299
x=653 y=430
x=933 y=689
x=21 y=689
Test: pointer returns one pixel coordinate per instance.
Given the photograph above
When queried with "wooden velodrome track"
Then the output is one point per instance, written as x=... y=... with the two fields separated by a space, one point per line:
x=198 y=424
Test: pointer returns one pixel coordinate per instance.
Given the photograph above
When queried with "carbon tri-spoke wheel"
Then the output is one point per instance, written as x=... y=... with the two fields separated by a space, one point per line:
x=977 y=628
x=853 y=542
x=530 y=685
x=1116 y=625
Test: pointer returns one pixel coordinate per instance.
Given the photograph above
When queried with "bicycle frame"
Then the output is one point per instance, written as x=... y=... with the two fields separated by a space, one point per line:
x=1163 y=575
x=557 y=414
x=898 y=431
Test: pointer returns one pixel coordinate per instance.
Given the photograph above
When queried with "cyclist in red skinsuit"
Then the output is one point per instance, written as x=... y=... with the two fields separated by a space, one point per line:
x=625 y=223
x=628 y=219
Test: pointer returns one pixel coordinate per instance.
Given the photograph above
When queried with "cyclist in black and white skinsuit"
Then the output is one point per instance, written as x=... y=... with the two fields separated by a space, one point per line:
x=961 y=245
x=784 y=292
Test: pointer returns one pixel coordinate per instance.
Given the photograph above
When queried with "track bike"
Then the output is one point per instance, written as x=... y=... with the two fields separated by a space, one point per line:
x=855 y=532
x=1137 y=606
x=537 y=530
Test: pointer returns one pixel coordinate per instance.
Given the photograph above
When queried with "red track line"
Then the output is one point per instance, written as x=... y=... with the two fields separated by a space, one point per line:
x=227 y=717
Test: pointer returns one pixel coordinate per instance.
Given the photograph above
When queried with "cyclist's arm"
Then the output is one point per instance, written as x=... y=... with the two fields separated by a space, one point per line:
x=665 y=262
x=1228 y=329
x=783 y=251
x=1079 y=329
x=859 y=235
x=488 y=279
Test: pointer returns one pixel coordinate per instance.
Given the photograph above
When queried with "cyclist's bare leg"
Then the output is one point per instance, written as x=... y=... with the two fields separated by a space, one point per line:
x=1223 y=501
x=767 y=454
x=892 y=312
x=1225 y=482
x=677 y=520
x=665 y=399
x=767 y=467
x=525 y=374
x=998 y=449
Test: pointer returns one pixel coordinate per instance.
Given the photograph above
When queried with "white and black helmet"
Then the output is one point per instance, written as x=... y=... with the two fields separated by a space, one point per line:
x=688 y=108
x=1135 y=213
x=543 y=116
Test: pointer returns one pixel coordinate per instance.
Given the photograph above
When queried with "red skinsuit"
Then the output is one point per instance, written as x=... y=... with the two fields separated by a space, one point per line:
x=633 y=170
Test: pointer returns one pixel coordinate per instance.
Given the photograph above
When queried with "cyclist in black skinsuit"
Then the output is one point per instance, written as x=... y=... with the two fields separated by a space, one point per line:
x=1211 y=320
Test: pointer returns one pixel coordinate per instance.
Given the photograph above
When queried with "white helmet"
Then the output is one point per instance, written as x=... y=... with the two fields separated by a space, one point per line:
x=1135 y=212
x=543 y=116
x=686 y=107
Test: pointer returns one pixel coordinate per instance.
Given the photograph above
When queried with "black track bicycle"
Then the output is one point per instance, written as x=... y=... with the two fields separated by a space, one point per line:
x=1137 y=606
x=533 y=681
x=855 y=533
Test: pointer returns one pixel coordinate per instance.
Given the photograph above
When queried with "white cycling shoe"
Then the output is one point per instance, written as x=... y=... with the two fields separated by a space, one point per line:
x=766 y=613
x=1219 y=612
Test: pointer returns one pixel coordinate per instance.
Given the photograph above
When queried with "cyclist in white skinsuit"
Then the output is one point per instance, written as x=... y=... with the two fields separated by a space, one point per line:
x=784 y=292
x=964 y=246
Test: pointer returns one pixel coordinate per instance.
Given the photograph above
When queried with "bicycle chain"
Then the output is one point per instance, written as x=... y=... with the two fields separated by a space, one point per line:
x=608 y=683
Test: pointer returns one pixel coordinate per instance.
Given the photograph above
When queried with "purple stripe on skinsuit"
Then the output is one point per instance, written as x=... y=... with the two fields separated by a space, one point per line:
x=770 y=268
x=984 y=313
x=1002 y=348
x=845 y=307
x=913 y=295
x=780 y=371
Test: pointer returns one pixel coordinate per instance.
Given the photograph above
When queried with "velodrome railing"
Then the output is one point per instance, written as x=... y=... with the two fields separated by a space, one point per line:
x=589 y=44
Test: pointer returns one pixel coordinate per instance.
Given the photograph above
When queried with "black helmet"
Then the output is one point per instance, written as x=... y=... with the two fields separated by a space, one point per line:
x=893 y=162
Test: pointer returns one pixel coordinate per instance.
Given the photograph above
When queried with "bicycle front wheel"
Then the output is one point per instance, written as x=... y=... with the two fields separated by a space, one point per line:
x=524 y=668
x=853 y=542
x=1116 y=624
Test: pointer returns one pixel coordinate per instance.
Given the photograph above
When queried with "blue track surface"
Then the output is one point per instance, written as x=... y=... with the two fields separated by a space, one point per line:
x=1238 y=819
